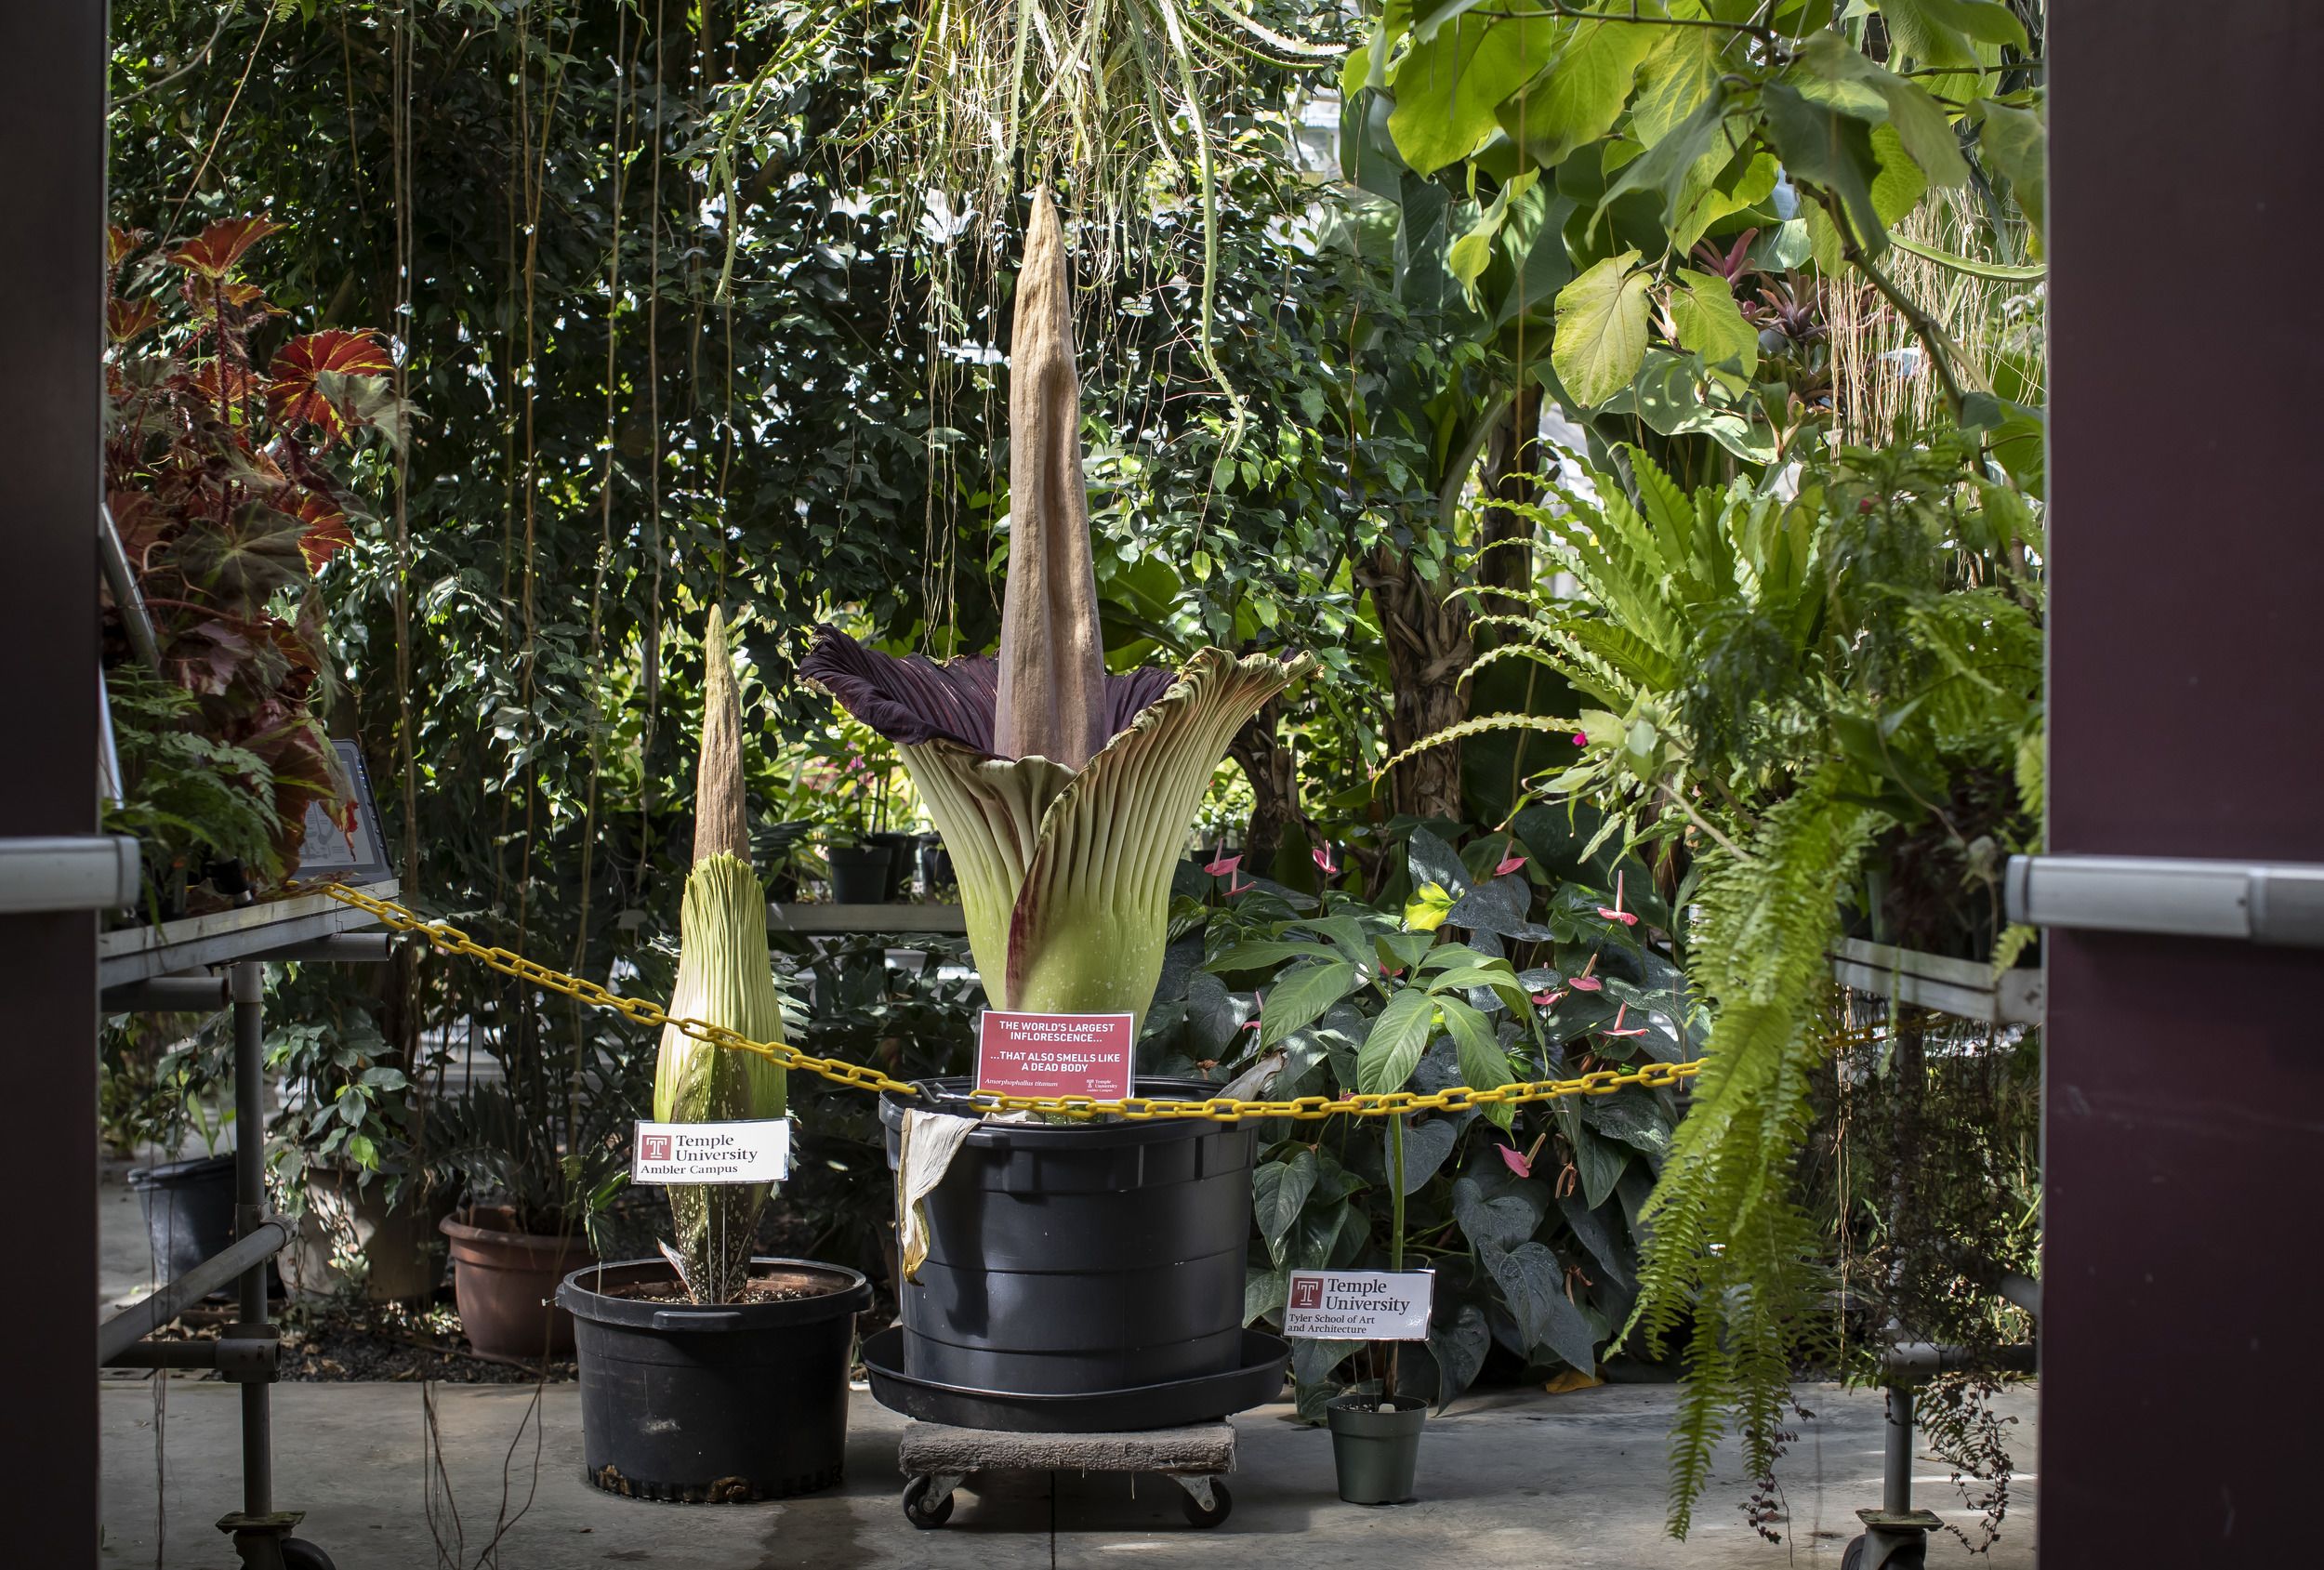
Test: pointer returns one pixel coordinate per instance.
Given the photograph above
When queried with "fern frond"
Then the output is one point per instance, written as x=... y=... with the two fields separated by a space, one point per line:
x=1480 y=726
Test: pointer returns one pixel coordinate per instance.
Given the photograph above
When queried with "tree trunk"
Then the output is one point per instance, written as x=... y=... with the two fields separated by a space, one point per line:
x=1512 y=458
x=1429 y=647
x=1270 y=767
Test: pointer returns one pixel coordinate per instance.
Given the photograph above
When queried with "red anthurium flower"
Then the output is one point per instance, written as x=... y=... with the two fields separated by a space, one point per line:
x=1586 y=983
x=1322 y=854
x=1548 y=999
x=1516 y=1160
x=1508 y=865
x=1223 y=866
x=1615 y=1028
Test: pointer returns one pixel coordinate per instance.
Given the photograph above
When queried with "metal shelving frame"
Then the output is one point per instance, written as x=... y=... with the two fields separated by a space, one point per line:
x=208 y=962
x=1896 y=1534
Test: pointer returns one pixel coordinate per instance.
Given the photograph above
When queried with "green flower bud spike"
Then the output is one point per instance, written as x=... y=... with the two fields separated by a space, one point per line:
x=724 y=978
x=1063 y=793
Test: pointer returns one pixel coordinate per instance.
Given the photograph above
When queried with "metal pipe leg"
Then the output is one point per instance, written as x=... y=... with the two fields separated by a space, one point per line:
x=248 y=980
x=1896 y=1474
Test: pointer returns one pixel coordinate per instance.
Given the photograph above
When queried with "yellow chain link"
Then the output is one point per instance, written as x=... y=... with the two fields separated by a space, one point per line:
x=450 y=940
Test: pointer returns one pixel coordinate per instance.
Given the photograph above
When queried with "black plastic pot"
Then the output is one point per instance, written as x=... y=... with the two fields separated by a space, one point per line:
x=189 y=1211
x=935 y=863
x=1376 y=1447
x=1067 y=1260
x=899 y=857
x=859 y=874
x=714 y=1404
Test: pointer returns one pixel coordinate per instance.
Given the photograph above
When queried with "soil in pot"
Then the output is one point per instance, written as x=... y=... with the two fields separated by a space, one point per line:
x=348 y=1222
x=1066 y=1260
x=1376 y=1447
x=506 y=1284
x=859 y=874
x=189 y=1211
x=715 y=1402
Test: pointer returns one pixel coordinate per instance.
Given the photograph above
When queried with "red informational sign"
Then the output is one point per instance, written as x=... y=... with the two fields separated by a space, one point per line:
x=1053 y=1054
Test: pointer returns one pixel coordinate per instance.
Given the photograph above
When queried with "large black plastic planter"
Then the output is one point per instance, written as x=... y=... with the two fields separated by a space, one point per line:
x=717 y=1404
x=188 y=1211
x=1071 y=1260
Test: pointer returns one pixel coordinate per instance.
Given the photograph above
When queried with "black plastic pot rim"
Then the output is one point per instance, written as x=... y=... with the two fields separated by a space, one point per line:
x=850 y=1292
x=950 y=1094
x=1353 y=1405
x=169 y=1172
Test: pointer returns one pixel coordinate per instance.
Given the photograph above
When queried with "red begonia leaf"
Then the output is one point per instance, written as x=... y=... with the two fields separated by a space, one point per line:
x=296 y=396
x=213 y=252
x=327 y=533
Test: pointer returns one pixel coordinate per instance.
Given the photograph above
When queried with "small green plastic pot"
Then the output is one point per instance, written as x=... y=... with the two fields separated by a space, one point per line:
x=1376 y=1447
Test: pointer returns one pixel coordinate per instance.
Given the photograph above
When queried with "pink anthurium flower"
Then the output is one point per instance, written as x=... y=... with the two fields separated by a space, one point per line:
x=1222 y=865
x=1517 y=1161
x=1508 y=865
x=1586 y=983
x=1548 y=999
x=1617 y=913
x=1258 y=1004
x=1615 y=1028
x=1322 y=855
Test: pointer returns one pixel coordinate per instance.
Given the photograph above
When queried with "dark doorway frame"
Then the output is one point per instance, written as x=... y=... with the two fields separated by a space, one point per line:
x=2184 y=1110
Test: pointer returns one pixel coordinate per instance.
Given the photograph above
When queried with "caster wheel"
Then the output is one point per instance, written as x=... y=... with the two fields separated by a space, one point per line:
x=1221 y=1502
x=300 y=1555
x=1858 y=1555
x=919 y=1511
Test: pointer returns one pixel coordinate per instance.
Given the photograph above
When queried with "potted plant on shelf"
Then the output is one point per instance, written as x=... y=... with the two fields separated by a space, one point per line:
x=709 y=1374
x=1068 y=1256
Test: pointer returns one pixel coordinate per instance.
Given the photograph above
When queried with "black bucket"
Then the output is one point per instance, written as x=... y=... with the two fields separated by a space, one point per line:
x=188 y=1211
x=1065 y=1260
x=714 y=1404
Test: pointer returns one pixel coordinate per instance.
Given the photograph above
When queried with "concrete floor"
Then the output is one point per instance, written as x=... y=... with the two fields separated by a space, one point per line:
x=1507 y=1479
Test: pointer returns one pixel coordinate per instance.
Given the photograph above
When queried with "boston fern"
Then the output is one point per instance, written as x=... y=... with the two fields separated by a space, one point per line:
x=1825 y=708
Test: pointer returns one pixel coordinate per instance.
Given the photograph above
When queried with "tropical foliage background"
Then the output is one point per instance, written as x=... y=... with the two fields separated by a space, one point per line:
x=1635 y=408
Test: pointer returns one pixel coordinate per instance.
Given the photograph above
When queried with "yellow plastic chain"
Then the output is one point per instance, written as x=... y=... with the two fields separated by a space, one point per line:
x=450 y=940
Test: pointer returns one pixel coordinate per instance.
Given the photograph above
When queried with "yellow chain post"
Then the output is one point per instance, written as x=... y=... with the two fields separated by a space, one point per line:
x=450 y=940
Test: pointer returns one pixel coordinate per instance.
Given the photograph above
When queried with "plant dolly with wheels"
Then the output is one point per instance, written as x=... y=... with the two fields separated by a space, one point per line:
x=938 y=1458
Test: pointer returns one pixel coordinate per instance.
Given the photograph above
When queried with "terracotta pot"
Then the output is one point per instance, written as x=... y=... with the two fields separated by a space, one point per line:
x=506 y=1284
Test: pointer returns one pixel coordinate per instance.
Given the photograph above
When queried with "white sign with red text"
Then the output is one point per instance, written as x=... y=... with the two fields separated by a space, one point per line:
x=755 y=1152
x=1359 y=1305
x=1053 y=1054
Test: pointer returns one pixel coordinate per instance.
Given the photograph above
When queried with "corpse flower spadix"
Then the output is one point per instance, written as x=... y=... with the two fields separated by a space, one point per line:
x=724 y=978
x=1062 y=793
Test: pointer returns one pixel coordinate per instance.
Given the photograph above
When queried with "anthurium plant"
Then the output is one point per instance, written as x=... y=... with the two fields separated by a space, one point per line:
x=724 y=978
x=1490 y=971
x=1061 y=791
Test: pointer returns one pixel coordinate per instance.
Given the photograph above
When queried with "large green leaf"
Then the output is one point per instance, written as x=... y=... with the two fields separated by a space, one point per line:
x=1492 y=1207
x=1301 y=997
x=1458 y=1348
x=1577 y=98
x=1921 y=127
x=1601 y=329
x=1483 y=1065
x=1279 y=1192
x=1820 y=146
x=1448 y=87
x=1710 y=324
x=1385 y=1061
x=2018 y=149
x=1534 y=1284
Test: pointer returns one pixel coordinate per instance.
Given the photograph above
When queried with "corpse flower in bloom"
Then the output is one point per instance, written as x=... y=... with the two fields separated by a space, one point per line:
x=1061 y=791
